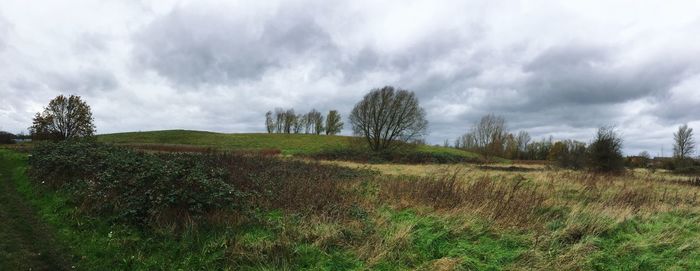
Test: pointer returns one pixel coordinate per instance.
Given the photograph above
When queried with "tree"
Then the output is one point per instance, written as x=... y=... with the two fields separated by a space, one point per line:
x=523 y=139
x=280 y=117
x=684 y=144
x=298 y=124
x=568 y=154
x=605 y=152
x=64 y=118
x=488 y=136
x=6 y=138
x=386 y=116
x=314 y=122
x=269 y=122
x=308 y=123
x=318 y=124
x=289 y=120
x=334 y=123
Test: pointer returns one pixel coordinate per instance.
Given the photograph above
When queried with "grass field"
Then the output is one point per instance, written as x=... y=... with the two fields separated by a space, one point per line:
x=303 y=144
x=420 y=217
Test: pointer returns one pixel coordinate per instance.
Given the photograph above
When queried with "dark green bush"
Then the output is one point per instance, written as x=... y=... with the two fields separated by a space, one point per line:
x=148 y=189
x=133 y=187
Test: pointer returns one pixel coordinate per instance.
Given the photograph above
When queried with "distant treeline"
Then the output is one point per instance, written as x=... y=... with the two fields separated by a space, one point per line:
x=490 y=137
x=313 y=122
x=10 y=138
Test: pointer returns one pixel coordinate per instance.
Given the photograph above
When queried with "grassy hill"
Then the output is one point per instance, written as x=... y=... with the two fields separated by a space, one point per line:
x=303 y=144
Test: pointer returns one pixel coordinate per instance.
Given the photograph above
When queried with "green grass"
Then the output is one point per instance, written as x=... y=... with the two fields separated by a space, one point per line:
x=304 y=144
x=378 y=237
x=668 y=241
x=287 y=143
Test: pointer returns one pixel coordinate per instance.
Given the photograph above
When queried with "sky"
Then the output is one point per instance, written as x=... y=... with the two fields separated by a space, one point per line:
x=551 y=68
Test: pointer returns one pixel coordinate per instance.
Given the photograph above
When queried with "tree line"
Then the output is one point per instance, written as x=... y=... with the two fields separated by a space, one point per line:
x=490 y=137
x=387 y=117
x=288 y=122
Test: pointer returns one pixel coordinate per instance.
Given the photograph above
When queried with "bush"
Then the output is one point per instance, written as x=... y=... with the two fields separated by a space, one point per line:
x=408 y=154
x=605 y=152
x=179 y=189
x=133 y=187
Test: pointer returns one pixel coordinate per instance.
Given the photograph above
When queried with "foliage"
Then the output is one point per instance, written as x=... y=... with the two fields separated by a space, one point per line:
x=568 y=154
x=605 y=152
x=178 y=188
x=136 y=188
x=334 y=123
x=387 y=116
x=64 y=118
x=6 y=138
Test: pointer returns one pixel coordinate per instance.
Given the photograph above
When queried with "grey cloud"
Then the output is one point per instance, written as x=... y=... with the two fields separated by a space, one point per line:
x=590 y=75
x=85 y=81
x=326 y=55
x=192 y=48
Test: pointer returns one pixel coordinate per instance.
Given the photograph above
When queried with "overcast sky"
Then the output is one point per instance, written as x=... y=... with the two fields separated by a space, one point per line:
x=555 y=68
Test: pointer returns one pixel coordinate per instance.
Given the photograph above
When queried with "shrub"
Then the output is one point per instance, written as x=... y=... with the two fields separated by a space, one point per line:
x=179 y=189
x=605 y=152
x=405 y=155
x=137 y=188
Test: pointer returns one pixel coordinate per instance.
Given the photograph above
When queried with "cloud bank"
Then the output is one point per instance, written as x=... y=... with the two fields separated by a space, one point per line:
x=550 y=68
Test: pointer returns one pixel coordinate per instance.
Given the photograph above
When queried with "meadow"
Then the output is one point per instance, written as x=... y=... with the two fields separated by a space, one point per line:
x=261 y=211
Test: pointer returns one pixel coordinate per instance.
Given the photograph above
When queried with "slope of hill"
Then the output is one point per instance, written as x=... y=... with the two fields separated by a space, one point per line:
x=303 y=144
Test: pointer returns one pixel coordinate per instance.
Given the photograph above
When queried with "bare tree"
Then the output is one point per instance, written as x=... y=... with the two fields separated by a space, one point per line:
x=334 y=123
x=467 y=142
x=488 y=136
x=522 y=139
x=269 y=122
x=684 y=144
x=64 y=118
x=387 y=115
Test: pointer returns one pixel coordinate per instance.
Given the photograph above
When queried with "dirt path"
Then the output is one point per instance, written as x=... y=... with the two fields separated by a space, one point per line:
x=25 y=242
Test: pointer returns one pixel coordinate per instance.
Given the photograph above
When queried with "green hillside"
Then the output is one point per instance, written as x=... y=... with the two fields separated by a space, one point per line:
x=287 y=143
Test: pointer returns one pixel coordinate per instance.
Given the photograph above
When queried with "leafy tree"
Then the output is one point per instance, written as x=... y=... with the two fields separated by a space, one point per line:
x=334 y=123
x=605 y=152
x=684 y=144
x=64 y=118
x=386 y=116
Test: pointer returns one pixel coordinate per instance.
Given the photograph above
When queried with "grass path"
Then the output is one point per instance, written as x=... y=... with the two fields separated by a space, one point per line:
x=26 y=243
